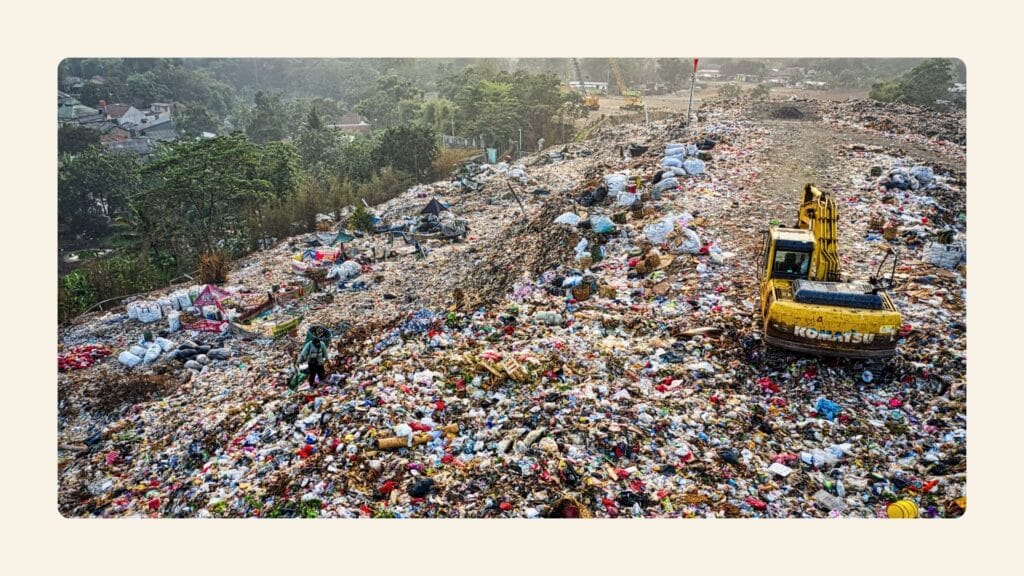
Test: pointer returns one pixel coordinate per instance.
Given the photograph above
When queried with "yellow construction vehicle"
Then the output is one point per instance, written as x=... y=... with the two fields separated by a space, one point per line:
x=806 y=307
x=633 y=99
x=590 y=99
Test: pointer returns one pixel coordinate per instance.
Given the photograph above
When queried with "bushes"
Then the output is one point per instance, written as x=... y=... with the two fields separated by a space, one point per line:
x=361 y=219
x=101 y=280
x=214 y=268
x=449 y=160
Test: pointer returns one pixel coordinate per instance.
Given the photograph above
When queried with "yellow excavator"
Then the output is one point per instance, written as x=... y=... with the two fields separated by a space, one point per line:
x=806 y=307
x=590 y=100
x=633 y=99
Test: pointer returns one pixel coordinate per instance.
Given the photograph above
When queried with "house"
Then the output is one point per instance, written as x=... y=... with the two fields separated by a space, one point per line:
x=352 y=124
x=752 y=78
x=122 y=113
x=71 y=111
x=143 y=147
x=162 y=132
x=72 y=84
x=709 y=74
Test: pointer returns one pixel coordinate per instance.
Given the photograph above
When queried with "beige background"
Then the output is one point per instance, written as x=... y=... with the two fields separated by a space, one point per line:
x=37 y=35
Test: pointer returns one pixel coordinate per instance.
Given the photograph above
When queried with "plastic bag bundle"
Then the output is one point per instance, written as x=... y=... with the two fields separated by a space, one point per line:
x=152 y=353
x=581 y=248
x=671 y=162
x=923 y=174
x=625 y=198
x=128 y=359
x=615 y=183
x=667 y=184
x=693 y=166
x=602 y=224
x=568 y=218
x=690 y=243
x=659 y=231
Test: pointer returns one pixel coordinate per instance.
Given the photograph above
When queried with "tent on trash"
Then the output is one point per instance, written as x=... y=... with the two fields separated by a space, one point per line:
x=433 y=207
x=210 y=295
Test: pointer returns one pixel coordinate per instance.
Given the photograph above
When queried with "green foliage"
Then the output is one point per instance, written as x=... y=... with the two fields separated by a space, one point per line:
x=760 y=92
x=385 y=185
x=356 y=159
x=411 y=149
x=673 y=71
x=317 y=145
x=194 y=120
x=211 y=193
x=885 y=91
x=72 y=139
x=92 y=188
x=921 y=86
x=100 y=280
x=269 y=122
x=396 y=100
x=729 y=91
x=360 y=219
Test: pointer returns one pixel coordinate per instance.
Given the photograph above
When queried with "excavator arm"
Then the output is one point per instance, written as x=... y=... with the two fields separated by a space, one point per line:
x=820 y=214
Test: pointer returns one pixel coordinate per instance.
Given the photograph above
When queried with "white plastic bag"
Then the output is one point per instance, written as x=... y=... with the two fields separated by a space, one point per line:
x=149 y=312
x=625 y=198
x=693 y=166
x=689 y=245
x=152 y=353
x=615 y=183
x=659 y=231
x=568 y=218
x=174 y=321
x=165 y=344
x=128 y=359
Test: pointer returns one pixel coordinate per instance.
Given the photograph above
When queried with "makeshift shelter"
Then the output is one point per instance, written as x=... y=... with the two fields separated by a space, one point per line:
x=433 y=207
x=210 y=295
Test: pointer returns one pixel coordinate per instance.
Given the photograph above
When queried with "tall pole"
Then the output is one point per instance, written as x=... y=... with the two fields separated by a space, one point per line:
x=693 y=78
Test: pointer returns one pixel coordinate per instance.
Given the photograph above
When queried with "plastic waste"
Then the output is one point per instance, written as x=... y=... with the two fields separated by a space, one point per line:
x=693 y=166
x=568 y=218
x=602 y=224
x=128 y=359
x=615 y=183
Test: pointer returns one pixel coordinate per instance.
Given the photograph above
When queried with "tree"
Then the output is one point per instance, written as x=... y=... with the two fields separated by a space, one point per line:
x=317 y=145
x=268 y=121
x=926 y=82
x=760 y=92
x=410 y=149
x=672 y=71
x=885 y=91
x=93 y=187
x=356 y=160
x=395 y=100
x=211 y=194
x=194 y=120
x=729 y=91
x=72 y=139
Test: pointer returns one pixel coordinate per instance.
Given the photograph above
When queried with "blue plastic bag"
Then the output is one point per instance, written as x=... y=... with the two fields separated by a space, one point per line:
x=827 y=408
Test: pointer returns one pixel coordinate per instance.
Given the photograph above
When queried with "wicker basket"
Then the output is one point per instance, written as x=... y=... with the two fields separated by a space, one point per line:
x=558 y=509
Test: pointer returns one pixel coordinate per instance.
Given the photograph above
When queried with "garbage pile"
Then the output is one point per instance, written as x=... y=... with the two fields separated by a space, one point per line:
x=582 y=354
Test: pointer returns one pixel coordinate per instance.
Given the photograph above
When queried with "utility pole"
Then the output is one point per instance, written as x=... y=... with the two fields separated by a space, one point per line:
x=693 y=79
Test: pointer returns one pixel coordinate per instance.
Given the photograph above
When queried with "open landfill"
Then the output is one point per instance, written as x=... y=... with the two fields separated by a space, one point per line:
x=572 y=334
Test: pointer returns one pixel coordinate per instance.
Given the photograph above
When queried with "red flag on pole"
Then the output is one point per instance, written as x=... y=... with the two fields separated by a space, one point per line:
x=695 y=65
